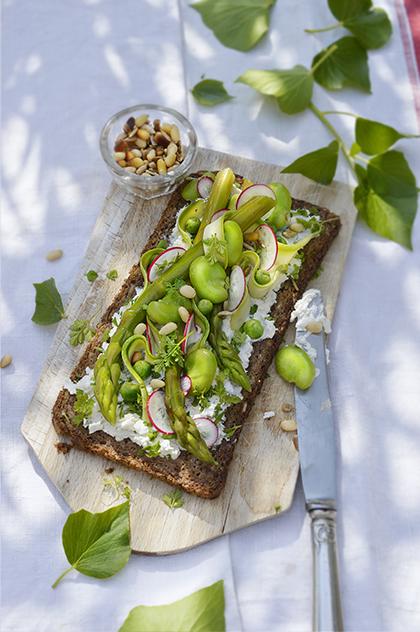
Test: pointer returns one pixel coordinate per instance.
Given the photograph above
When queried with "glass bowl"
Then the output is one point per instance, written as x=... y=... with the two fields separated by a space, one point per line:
x=148 y=186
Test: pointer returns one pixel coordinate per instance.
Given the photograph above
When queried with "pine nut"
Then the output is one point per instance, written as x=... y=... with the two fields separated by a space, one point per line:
x=170 y=160
x=161 y=166
x=187 y=291
x=296 y=227
x=287 y=408
x=135 y=357
x=136 y=152
x=151 y=155
x=156 y=384
x=5 y=361
x=168 y=328
x=166 y=127
x=174 y=133
x=141 y=143
x=288 y=425
x=130 y=169
x=141 y=120
x=136 y=162
x=129 y=155
x=184 y=313
x=314 y=326
x=171 y=149
x=141 y=169
x=143 y=134
x=53 y=255
x=119 y=155
x=140 y=329
x=122 y=163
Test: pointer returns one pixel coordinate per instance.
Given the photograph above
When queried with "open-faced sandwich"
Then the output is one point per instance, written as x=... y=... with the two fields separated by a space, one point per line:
x=178 y=359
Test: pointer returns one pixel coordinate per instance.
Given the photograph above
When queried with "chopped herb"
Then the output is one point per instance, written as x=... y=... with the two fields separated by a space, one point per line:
x=151 y=450
x=175 y=284
x=238 y=339
x=80 y=331
x=216 y=249
x=105 y=335
x=169 y=353
x=173 y=500
x=83 y=407
x=253 y=309
x=112 y=275
x=277 y=508
x=118 y=487
x=202 y=400
x=91 y=275
x=318 y=272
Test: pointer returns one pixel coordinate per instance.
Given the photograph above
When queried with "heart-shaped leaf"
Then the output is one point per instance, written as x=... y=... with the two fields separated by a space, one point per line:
x=97 y=544
x=319 y=165
x=387 y=196
x=292 y=88
x=345 y=67
x=203 y=611
x=240 y=24
x=48 y=304
x=344 y=9
x=373 y=137
x=372 y=28
x=210 y=92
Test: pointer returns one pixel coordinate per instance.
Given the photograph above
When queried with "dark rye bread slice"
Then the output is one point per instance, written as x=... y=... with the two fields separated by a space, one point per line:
x=187 y=472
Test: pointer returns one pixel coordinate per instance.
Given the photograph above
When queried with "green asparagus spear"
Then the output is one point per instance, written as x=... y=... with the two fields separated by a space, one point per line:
x=227 y=357
x=184 y=427
x=218 y=199
x=106 y=384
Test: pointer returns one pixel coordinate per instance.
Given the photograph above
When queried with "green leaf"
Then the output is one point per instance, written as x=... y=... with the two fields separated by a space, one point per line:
x=240 y=24
x=83 y=406
x=173 y=500
x=80 y=332
x=346 y=66
x=210 y=92
x=203 y=611
x=48 y=304
x=319 y=165
x=292 y=88
x=112 y=275
x=91 y=275
x=373 y=28
x=387 y=196
x=344 y=9
x=97 y=544
x=374 y=137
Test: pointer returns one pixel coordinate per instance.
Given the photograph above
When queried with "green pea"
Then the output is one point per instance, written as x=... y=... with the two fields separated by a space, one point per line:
x=129 y=391
x=208 y=280
x=234 y=241
x=162 y=244
x=143 y=369
x=253 y=328
x=201 y=366
x=205 y=306
x=192 y=225
x=294 y=365
x=262 y=277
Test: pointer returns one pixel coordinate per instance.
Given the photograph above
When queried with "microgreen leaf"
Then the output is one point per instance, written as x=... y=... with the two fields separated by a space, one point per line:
x=345 y=67
x=83 y=407
x=80 y=331
x=240 y=24
x=48 y=303
x=202 y=611
x=387 y=196
x=319 y=165
x=373 y=137
x=91 y=275
x=112 y=275
x=292 y=88
x=169 y=353
x=173 y=500
x=210 y=92
x=97 y=544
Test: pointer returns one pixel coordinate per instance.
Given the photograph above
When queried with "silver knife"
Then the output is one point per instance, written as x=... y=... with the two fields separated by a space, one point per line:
x=317 y=447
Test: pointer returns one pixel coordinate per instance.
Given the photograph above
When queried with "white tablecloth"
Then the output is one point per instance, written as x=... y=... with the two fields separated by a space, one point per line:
x=68 y=65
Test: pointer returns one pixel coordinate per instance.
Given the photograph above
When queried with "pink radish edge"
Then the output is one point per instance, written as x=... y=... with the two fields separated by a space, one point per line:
x=157 y=413
x=255 y=190
x=150 y=271
x=186 y=384
x=270 y=246
x=208 y=430
x=204 y=186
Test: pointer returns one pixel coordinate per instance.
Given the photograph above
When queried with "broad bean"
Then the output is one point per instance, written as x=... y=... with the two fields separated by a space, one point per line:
x=294 y=365
x=253 y=328
x=208 y=280
x=201 y=366
x=234 y=241
x=205 y=306
x=129 y=391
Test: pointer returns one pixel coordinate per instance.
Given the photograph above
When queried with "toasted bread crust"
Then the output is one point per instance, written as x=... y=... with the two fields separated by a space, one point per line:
x=187 y=472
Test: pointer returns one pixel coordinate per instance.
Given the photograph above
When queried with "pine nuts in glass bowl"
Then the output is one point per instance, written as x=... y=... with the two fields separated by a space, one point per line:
x=148 y=148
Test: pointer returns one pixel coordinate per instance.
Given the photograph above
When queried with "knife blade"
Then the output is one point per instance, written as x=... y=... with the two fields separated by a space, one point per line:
x=317 y=454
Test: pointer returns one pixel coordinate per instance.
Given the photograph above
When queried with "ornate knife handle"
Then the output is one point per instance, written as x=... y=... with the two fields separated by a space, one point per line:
x=327 y=615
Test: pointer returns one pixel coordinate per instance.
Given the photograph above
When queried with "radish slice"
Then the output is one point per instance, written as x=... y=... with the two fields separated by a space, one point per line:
x=151 y=339
x=208 y=430
x=186 y=384
x=204 y=186
x=165 y=257
x=253 y=191
x=191 y=334
x=157 y=413
x=270 y=247
x=237 y=287
x=218 y=214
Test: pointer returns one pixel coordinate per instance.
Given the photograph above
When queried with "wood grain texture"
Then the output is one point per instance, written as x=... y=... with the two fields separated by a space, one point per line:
x=264 y=469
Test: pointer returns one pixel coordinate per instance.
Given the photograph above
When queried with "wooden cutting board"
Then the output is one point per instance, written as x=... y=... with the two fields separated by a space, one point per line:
x=264 y=469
